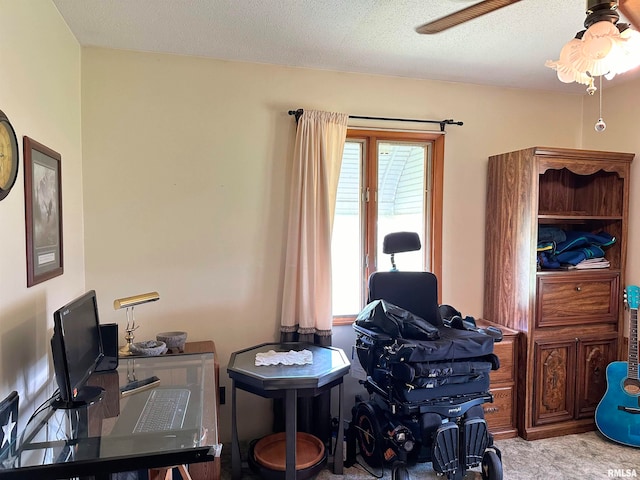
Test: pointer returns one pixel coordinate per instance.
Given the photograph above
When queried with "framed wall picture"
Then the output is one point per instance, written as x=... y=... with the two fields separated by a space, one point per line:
x=43 y=211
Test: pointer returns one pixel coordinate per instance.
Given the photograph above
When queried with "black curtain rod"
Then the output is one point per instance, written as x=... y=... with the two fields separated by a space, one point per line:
x=298 y=113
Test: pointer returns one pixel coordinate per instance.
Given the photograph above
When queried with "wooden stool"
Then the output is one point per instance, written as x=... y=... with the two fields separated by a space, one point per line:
x=166 y=473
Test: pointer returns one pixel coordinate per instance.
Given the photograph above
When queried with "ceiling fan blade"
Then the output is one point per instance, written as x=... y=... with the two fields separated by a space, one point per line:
x=463 y=15
x=631 y=10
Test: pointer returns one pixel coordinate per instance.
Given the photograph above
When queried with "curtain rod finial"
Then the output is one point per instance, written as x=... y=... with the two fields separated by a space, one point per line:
x=298 y=113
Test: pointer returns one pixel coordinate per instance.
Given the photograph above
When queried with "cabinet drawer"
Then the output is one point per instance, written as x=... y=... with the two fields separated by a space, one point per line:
x=504 y=351
x=499 y=414
x=577 y=299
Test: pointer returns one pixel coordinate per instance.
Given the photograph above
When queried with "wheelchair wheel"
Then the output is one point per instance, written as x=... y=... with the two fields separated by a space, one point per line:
x=369 y=435
x=491 y=466
x=399 y=472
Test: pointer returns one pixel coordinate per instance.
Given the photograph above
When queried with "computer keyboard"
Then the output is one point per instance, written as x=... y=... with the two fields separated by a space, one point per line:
x=165 y=409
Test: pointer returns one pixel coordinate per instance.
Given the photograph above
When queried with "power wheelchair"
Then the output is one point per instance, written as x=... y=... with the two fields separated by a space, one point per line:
x=427 y=376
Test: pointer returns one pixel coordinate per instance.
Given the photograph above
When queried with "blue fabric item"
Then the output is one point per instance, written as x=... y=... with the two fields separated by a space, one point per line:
x=547 y=260
x=546 y=246
x=572 y=242
x=551 y=234
x=576 y=239
x=574 y=257
x=601 y=239
x=576 y=247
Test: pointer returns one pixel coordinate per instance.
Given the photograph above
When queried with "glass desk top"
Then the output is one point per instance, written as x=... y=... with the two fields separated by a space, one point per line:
x=99 y=439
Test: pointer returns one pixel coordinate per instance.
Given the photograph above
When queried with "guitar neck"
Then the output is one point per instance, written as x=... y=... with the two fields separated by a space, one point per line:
x=633 y=344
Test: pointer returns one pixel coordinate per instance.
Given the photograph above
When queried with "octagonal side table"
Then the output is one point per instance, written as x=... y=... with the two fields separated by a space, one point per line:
x=328 y=369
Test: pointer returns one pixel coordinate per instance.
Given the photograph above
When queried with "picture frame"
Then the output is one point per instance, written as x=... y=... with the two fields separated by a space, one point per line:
x=43 y=211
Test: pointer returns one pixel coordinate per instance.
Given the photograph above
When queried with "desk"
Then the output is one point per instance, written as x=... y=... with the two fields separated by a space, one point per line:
x=93 y=441
x=329 y=367
x=203 y=470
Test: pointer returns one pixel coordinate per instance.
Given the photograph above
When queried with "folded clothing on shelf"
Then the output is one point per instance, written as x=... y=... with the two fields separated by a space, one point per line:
x=571 y=247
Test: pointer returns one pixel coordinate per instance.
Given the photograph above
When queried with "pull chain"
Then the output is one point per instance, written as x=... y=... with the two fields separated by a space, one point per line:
x=600 y=125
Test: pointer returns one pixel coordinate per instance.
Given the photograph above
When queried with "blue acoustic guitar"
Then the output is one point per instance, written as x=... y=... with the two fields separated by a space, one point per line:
x=618 y=413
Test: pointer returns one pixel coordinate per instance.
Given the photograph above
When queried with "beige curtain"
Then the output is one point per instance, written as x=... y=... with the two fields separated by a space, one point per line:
x=306 y=303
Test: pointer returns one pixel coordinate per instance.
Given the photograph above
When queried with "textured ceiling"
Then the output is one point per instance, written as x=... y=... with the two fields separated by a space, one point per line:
x=505 y=48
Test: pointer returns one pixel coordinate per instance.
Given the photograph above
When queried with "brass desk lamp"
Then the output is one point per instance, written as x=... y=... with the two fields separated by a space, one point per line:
x=129 y=303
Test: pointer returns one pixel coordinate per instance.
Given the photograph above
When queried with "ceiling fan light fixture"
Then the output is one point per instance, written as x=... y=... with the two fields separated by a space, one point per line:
x=568 y=74
x=627 y=54
x=605 y=48
x=599 y=39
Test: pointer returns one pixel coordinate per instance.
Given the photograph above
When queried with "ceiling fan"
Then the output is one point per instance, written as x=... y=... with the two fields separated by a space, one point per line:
x=629 y=8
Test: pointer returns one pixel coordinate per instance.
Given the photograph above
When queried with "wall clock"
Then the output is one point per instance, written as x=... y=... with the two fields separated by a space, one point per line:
x=8 y=156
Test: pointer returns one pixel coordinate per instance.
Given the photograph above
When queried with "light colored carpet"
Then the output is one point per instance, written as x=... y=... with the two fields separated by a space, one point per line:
x=587 y=456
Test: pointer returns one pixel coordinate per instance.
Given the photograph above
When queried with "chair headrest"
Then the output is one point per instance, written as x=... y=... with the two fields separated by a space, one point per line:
x=401 y=242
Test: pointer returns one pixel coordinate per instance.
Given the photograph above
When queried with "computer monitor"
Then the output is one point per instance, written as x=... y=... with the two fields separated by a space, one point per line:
x=76 y=347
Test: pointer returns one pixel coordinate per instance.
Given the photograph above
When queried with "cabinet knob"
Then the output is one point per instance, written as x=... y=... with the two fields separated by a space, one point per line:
x=578 y=288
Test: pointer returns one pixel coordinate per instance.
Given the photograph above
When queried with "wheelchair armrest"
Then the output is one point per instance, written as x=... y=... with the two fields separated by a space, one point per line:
x=374 y=335
x=469 y=324
x=494 y=332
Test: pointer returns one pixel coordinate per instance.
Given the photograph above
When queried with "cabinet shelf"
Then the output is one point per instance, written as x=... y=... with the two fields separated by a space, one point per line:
x=578 y=271
x=555 y=218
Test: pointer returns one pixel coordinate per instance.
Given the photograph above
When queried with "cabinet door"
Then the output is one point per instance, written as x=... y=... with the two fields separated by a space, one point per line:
x=554 y=376
x=593 y=357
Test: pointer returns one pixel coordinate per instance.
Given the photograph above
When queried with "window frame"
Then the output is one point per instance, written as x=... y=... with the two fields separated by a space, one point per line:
x=370 y=139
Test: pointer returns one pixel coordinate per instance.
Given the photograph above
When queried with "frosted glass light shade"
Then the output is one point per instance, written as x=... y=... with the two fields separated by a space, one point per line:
x=598 y=40
x=602 y=50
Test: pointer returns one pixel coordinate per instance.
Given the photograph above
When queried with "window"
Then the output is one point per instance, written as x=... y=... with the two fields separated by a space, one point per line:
x=389 y=182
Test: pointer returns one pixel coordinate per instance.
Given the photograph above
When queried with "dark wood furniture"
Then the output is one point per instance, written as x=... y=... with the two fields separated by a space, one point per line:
x=330 y=365
x=571 y=320
x=500 y=415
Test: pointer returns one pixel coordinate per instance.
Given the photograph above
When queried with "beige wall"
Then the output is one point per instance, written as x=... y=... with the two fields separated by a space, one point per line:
x=40 y=93
x=621 y=112
x=182 y=165
x=186 y=164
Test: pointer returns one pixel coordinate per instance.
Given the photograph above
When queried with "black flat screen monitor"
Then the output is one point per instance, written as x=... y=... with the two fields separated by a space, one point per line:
x=76 y=348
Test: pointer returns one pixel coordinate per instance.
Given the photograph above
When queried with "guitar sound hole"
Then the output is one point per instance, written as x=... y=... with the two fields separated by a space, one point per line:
x=632 y=386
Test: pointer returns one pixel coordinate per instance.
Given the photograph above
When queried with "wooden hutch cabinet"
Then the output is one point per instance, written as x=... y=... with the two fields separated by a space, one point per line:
x=571 y=320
